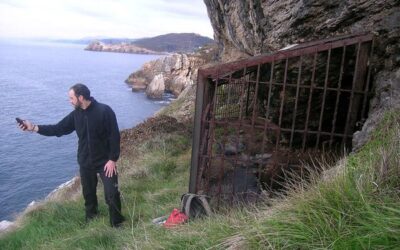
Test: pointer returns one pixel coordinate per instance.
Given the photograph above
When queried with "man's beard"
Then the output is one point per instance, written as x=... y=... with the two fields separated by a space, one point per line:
x=78 y=105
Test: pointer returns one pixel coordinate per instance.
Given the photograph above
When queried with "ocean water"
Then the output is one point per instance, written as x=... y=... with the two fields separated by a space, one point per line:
x=34 y=81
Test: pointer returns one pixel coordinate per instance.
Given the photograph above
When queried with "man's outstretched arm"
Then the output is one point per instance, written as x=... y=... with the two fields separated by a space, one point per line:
x=64 y=127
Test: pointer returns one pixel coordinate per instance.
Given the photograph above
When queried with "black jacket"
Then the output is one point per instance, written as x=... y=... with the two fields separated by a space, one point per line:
x=97 y=130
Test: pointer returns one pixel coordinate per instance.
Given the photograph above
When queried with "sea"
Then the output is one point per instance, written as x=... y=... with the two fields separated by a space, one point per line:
x=34 y=81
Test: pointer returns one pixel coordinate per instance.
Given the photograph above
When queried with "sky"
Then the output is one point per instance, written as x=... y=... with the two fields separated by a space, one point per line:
x=75 y=19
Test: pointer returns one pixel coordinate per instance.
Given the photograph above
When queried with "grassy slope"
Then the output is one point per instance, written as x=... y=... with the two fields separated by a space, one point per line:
x=358 y=208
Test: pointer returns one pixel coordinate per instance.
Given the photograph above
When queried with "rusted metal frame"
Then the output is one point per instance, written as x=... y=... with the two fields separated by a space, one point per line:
x=282 y=102
x=203 y=157
x=247 y=98
x=232 y=87
x=209 y=136
x=205 y=130
x=222 y=169
x=346 y=130
x=266 y=123
x=324 y=96
x=202 y=149
x=223 y=140
x=309 y=101
x=359 y=84
x=366 y=90
x=296 y=101
x=328 y=40
x=342 y=90
x=239 y=89
x=254 y=113
x=207 y=160
x=200 y=96
x=272 y=125
x=315 y=132
x=229 y=92
x=315 y=88
x=337 y=96
x=238 y=136
x=310 y=95
x=232 y=91
x=229 y=89
x=279 y=55
x=212 y=132
x=256 y=95
x=270 y=90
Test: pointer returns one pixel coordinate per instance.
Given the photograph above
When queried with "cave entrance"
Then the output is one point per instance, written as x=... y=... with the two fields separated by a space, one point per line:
x=259 y=116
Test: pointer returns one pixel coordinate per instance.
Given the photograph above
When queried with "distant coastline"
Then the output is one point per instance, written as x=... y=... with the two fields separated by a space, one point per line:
x=121 y=48
x=158 y=45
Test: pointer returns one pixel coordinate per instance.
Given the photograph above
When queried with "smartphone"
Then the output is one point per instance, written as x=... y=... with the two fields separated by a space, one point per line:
x=21 y=122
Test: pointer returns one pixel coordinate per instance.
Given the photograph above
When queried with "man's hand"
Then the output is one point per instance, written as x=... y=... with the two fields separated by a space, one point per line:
x=110 y=168
x=28 y=126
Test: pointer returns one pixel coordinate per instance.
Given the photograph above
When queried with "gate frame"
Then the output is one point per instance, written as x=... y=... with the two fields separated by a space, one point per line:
x=207 y=75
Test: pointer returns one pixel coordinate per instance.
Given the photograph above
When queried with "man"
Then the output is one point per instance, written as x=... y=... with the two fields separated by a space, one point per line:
x=98 y=148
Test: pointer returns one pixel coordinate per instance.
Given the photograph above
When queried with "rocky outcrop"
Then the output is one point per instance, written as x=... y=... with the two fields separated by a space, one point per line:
x=248 y=28
x=156 y=87
x=119 y=48
x=254 y=27
x=387 y=97
x=175 y=72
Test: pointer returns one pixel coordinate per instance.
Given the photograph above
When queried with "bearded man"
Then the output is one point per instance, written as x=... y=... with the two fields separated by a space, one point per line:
x=98 y=148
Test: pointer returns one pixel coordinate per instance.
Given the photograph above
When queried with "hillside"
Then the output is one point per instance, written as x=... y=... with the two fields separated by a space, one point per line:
x=354 y=205
x=168 y=43
x=174 y=42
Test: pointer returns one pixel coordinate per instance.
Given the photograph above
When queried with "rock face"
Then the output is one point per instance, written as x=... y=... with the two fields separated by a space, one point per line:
x=172 y=73
x=119 y=48
x=248 y=28
x=254 y=27
x=156 y=87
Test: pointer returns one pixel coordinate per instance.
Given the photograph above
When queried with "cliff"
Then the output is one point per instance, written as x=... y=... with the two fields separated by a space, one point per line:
x=172 y=73
x=254 y=27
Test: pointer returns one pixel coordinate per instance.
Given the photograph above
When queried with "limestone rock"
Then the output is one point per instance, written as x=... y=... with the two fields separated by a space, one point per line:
x=178 y=70
x=254 y=27
x=156 y=88
x=5 y=225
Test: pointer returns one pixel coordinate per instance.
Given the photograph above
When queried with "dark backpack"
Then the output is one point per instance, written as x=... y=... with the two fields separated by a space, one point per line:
x=195 y=205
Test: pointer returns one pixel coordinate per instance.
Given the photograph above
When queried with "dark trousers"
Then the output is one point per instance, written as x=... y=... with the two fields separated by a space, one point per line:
x=111 y=193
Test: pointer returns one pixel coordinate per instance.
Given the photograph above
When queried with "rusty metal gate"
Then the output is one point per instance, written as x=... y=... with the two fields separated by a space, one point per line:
x=258 y=115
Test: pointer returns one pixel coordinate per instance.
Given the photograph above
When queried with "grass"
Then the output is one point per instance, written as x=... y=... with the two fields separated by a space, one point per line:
x=358 y=207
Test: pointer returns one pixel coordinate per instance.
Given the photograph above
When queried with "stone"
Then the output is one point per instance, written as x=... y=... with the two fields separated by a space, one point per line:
x=5 y=225
x=179 y=70
x=156 y=88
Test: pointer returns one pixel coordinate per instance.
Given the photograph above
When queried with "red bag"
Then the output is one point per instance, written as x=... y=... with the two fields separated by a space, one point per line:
x=175 y=218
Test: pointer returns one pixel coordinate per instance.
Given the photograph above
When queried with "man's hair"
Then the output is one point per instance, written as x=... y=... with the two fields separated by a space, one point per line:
x=81 y=89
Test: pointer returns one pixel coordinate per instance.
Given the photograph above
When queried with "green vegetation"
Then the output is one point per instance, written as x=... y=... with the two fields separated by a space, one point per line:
x=355 y=205
x=358 y=209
